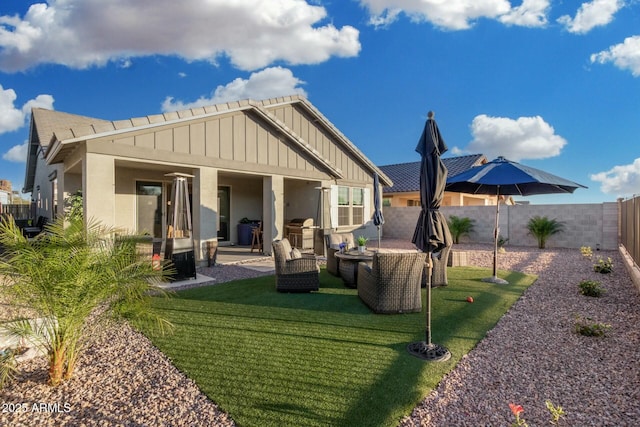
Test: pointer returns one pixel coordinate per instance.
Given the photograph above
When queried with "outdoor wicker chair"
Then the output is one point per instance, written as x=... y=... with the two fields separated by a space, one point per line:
x=392 y=283
x=295 y=272
x=439 y=272
x=332 y=242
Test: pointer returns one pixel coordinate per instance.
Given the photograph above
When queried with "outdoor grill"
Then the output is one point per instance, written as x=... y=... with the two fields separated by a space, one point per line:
x=300 y=233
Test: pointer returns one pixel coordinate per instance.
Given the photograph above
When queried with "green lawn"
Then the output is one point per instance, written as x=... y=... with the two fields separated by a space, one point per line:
x=323 y=359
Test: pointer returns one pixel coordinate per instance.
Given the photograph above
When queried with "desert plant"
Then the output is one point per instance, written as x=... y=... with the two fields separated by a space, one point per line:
x=362 y=241
x=603 y=266
x=73 y=277
x=8 y=369
x=586 y=251
x=591 y=288
x=587 y=327
x=73 y=208
x=542 y=228
x=459 y=227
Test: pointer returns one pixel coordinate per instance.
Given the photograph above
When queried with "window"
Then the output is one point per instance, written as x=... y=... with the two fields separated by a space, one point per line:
x=349 y=205
x=357 y=207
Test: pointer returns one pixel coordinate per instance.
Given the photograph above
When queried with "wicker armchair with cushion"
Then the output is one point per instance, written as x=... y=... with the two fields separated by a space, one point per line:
x=332 y=242
x=392 y=283
x=439 y=273
x=295 y=272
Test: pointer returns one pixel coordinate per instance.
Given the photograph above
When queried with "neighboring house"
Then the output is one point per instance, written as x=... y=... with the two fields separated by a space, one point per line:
x=6 y=194
x=405 y=190
x=273 y=160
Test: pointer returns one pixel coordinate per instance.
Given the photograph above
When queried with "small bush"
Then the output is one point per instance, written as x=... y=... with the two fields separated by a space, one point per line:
x=542 y=228
x=589 y=328
x=459 y=227
x=591 y=288
x=603 y=267
x=586 y=251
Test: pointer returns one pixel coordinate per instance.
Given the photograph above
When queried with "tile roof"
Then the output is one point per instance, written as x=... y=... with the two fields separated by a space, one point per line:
x=406 y=176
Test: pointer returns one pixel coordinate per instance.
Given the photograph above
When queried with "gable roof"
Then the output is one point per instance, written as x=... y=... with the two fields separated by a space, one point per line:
x=57 y=133
x=406 y=176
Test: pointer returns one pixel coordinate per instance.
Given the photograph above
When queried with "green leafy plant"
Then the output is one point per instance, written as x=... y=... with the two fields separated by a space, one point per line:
x=586 y=251
x=362 y=241
x=459 y=227
x=542 y=228
x=591 y=288
x=74 y=206
x=603 y=267
x=556 y=412
x=8 y=366
x=587 y=327
x=74 y=278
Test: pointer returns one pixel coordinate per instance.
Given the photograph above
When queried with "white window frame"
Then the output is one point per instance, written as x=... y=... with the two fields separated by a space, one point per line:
x=335 y=207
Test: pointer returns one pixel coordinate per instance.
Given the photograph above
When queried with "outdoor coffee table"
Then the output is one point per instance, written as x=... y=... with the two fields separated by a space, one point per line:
x=349 y=265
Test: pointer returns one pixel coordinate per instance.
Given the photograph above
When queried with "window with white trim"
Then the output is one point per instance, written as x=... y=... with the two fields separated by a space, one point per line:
x=349 y=205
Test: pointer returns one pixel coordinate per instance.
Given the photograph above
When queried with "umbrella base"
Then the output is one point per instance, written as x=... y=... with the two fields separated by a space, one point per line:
x=496 y=280
x=430 y=352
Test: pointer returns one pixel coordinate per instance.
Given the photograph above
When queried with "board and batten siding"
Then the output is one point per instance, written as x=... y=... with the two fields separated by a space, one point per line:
x=240 y=139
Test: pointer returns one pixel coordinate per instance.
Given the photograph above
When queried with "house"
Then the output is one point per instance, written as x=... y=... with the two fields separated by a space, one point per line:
x=406 y=183
x=273 y=160
x=6 y=194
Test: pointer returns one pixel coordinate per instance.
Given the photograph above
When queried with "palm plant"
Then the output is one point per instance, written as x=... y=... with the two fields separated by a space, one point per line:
x=542 y=228
x=74 y=278
x=459 y=227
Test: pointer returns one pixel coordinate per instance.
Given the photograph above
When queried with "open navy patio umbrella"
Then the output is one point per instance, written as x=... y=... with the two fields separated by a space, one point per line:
x=503 y=177
x=378 y=218
x=432 y=232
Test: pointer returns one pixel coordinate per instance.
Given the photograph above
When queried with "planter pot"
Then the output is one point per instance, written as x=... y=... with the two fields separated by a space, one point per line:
x=362 y=249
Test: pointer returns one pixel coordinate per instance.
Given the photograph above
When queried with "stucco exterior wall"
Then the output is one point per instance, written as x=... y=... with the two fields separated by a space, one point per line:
x=594 y=225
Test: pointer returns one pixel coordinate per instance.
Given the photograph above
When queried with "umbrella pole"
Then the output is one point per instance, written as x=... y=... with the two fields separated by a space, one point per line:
x=428 y=293
x=426 y=349
x=495 y=278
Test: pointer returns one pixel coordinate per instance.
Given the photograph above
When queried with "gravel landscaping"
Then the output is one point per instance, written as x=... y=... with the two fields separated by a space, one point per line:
x=531 y=355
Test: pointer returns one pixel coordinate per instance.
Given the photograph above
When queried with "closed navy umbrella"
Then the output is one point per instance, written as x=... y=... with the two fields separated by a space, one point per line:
x=432 y=232
x=503 y=177
x=378 y=218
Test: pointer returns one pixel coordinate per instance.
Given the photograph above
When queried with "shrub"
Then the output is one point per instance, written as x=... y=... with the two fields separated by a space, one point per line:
x=586 y=251
x=603 y=267
x=72 y=277
x=589 y=328
x=591 y=288
x=542 y=228
x=459 y=227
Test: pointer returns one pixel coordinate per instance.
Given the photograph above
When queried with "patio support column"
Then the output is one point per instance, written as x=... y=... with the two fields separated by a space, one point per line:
x=272 y=210
x=205 y=210
x=98 y=188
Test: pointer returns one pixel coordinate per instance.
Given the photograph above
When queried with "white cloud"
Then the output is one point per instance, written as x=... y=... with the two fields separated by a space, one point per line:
x=620 y=180
x=450 y=14
x=17 y=153
x=625 y=55
x=252 y=33
x=458 y=14
x=267 y=83
x=524 y=138
x=531 y=13
x=590 y=15
x=12 y=118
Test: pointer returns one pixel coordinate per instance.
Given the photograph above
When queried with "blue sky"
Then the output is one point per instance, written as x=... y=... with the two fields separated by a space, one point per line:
x=553 y=85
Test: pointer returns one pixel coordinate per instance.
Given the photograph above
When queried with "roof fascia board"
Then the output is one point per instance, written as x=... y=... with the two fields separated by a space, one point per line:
x=384 y=179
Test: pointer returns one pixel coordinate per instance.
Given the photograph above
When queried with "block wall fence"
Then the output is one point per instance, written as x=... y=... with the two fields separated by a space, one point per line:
x=594 y=225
